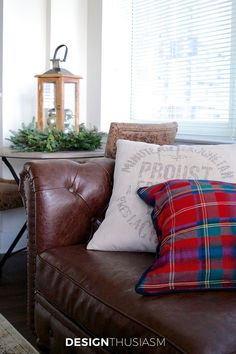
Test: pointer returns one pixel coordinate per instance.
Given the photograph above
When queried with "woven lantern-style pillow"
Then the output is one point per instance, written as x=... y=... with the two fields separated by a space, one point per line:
x=9 y=195
x=160 y=133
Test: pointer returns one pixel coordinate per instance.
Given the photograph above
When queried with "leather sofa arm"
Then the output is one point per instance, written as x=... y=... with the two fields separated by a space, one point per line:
x=62 y=198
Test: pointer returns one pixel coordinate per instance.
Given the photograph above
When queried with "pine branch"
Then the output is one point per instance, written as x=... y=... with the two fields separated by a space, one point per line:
x=29 y=138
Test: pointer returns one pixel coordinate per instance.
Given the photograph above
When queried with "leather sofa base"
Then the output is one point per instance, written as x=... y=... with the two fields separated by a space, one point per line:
x=52 y=328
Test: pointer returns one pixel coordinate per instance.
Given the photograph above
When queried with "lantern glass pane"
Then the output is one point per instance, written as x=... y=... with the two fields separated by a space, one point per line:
x=69 y=105
x=49 y=98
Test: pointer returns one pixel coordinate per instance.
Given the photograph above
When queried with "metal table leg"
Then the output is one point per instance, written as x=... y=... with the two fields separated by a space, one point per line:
x=11 y=169
x=10 y=252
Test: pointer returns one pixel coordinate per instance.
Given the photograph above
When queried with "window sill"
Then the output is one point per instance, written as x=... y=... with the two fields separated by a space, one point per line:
x=202 y=140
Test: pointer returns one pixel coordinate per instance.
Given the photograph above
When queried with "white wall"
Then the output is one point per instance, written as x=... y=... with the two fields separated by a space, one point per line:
x=23 y=45
x=116 y=64
x=94 y=52
x=69 y=26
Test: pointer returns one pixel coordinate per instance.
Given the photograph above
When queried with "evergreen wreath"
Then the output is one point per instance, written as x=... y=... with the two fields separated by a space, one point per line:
x=29 y=138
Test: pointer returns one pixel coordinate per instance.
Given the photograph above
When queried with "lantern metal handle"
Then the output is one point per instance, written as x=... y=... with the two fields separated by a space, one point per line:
x=56 y=50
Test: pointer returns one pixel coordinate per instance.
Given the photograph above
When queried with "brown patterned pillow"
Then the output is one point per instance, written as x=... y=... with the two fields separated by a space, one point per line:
x=161 y=134
x=9 y=196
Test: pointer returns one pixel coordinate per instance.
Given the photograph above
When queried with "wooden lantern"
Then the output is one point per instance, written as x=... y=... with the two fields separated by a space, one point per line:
x=58 y=97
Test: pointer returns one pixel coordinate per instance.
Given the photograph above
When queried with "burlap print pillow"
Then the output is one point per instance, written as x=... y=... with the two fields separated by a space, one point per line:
x=127 y=225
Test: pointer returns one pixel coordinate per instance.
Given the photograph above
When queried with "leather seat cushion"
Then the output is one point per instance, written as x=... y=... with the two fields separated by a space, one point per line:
x=96 y=290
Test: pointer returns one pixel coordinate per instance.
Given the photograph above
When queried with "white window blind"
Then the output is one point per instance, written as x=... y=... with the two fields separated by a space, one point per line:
x=116 y=61
x=182 y=64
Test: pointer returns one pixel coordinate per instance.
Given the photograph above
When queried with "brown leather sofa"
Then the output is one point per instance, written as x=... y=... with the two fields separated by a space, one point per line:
x=75 y=293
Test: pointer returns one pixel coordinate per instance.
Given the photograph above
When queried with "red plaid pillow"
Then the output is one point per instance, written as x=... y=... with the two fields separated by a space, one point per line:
x=195 y=221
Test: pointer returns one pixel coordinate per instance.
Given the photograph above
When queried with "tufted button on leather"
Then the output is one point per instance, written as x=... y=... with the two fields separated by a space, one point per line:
x=71 y=190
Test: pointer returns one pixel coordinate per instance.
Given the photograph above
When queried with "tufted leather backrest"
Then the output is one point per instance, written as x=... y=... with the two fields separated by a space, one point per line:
x=68 y=197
